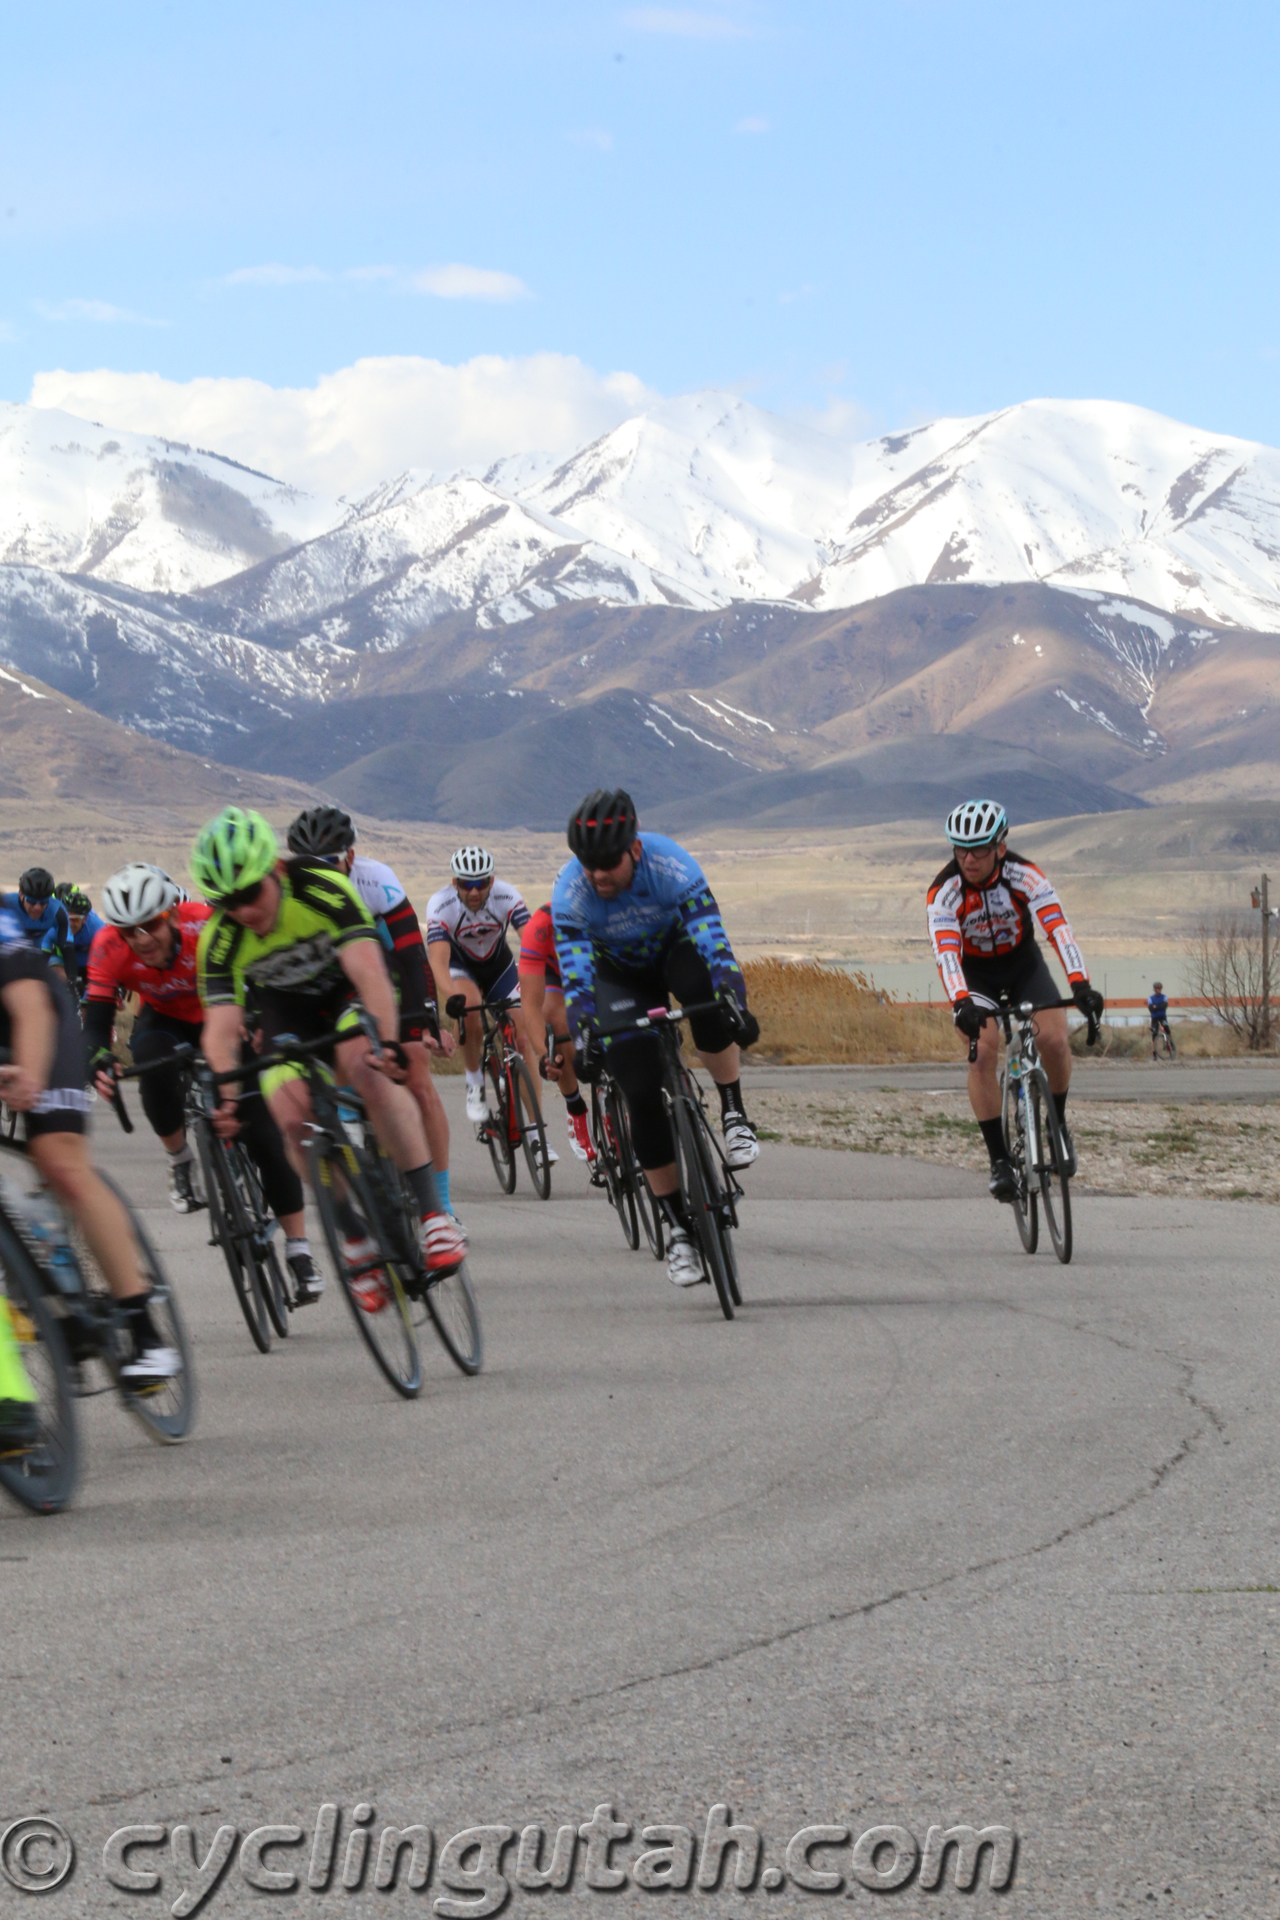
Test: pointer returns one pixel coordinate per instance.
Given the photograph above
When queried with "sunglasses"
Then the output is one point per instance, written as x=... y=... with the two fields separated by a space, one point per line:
x=475 y=886
x=242 y=897
x=607 y=866
x=151 y=926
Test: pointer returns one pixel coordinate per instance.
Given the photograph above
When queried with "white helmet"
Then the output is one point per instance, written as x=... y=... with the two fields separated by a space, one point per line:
x=137 y=893
x=977 y=823
x=472 y=863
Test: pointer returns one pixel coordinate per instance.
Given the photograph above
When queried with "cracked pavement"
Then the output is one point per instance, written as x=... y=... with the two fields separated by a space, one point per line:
x=933 y=1532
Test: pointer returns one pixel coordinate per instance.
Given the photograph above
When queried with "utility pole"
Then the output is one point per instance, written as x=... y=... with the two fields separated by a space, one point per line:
x=1260 y=899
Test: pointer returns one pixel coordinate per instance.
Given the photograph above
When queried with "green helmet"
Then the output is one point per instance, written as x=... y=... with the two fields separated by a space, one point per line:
x=232 y=852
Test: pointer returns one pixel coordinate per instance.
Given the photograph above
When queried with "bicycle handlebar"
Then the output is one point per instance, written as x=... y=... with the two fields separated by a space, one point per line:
x=1003 y=1011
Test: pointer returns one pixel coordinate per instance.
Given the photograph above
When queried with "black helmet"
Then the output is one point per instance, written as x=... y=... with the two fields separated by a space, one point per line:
x=322 y=832
x=75 y=899
x=36 y=884
x=603 y=828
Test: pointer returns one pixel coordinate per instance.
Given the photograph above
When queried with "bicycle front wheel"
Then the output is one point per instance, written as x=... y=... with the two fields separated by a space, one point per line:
x=533 y=1132
x=39 y=1469
x=456 y=1318
x=1025 y=1212
x=167 y=1409
x=231 y=1231
x=372 y=1284
x=701 y=1199
x=498 y=1128
x=261 y=1248
x=623 y=1170
x=1051 y=1169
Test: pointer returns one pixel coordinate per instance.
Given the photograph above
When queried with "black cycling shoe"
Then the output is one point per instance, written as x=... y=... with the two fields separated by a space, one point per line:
x=1069 y=1149
x=1002 y=1185
x=308 y=1284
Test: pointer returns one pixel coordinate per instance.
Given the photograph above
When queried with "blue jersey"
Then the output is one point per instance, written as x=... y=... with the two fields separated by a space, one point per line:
x=1158 y=1006
x=50 y=930
x=668 y=896
x=80 y=942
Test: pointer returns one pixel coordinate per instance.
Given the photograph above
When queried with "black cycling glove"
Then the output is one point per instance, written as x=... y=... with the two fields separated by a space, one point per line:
x=588 y=1060
x=1088 y=999
x=968 y=1018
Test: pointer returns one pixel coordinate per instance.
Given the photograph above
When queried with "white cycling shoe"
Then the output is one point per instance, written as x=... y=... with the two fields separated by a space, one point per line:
x=684 y=1268
x=740 y=1144
x=477 y=1106
x=531 y=1135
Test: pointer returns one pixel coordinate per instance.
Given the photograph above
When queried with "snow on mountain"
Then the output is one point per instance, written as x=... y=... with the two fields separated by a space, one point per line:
x=149 y=513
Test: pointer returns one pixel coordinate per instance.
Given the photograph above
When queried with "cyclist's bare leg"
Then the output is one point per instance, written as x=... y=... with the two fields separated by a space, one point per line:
x=473 y=1032
x=290 y=1105
x=984 y=1082
x=1050 y=1028
x=552 y=1010
x=62 y=1160
x=392 y=1109
x=435 y=1121
x=724 y=1067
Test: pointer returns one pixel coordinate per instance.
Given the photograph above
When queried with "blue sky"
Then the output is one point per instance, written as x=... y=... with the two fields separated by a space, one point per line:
x=863 y=213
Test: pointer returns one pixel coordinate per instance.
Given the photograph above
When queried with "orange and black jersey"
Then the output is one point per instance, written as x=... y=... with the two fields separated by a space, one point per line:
x=994 y=921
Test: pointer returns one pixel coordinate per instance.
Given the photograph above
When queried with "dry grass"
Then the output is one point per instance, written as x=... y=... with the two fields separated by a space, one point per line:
x=810 y=1015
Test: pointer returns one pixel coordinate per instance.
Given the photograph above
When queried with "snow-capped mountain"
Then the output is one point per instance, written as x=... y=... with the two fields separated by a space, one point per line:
x=80 y=498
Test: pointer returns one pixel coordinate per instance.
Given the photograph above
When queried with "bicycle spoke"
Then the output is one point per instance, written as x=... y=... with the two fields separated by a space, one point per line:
x=372 y=1281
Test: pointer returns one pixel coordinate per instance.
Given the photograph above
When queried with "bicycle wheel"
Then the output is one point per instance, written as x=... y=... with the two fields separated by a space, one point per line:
x=1025 y=1213
x=701 y=1199
x=498 y=1127
x=167 y=1409
x=456 y=1318
x=622 y=1164
x=1050 y=1171
x=647 y=1212
x=374 y=1291
x=43 y=1474
x=261 y=1246
x=231 y=1230
x=533 y=1133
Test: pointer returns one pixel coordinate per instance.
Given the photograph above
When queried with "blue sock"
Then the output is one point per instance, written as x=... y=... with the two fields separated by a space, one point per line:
x=442 y=1188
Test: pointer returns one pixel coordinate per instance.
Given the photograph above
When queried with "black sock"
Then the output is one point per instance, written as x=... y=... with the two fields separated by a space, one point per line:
x=422 y=1185
x=731 y=1099
x=141 y=1325
x=993 y=1134
x=672 y=1205
x=575 y=1104
x=1060 y=1102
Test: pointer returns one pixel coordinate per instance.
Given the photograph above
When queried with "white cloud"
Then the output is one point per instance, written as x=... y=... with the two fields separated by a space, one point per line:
x=367 y=422
x=96 y=310
x=752 y=126
x=468 y=283
x=685 y=23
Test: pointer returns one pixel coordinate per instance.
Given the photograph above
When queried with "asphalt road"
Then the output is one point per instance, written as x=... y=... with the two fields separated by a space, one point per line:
x=1249 y=1082
x=933 y=1533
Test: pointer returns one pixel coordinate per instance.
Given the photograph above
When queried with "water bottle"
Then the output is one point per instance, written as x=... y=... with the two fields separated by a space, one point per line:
x=46 y=1231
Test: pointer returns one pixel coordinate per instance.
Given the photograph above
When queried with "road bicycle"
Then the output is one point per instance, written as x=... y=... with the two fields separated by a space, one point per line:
x=617 y=1170
x=1032 y=1130
x=371 y=1227
x=707 y=1181
x=1162 y=1042
x=65 y=1317
x=229 y=1185
x=510 y=1095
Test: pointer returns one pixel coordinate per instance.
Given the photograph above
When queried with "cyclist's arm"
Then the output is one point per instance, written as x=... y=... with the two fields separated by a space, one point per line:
x=702 y=922
x=1042 y=899
x=417 y=988
x=34 y=1039
x=220 y=1038
x=365 y=968
x=943 y=913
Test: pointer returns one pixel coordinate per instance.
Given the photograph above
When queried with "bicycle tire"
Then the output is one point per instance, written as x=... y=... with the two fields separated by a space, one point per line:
x=42 y=1477
x=624 y=1197
x=1024 y=1205
x=230 y=1231
x=524 y=1100
x=498 y=1127
x=1055 y=1182
x=451 y=1302
x=699 y=1203
x=168 y=1409
x=386 y=1330
x=271 y=1280
x=648 y=1220
x=607 y=1172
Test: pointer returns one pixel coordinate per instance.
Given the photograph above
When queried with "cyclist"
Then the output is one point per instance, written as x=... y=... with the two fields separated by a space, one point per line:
x=148 y=947
x=329 y=834
x=41 y=919
x=1158 y=1008
x=83 y=923
x=46 y=1083
x=296 y=934
x=467 y=925
x=542 y=1001
x=982 y=910
x=634 y=919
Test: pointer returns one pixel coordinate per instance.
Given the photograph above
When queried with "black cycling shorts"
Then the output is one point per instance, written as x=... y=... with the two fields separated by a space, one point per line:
x=1023 y=974
x=63 y=1107
x=496 y=977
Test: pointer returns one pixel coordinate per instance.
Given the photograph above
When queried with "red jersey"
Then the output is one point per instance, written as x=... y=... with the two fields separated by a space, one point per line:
x=113 y=966
x=538 y=949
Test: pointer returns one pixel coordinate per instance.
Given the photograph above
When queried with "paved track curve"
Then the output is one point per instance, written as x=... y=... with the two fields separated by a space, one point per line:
x=932 y=1533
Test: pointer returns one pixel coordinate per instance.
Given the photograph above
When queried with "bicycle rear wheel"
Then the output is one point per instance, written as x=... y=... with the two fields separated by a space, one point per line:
x=167 y=1409
x=456 y=1318
x=230 y=1230
x=1025 y=1214
x=701 y=1198
x=533 y=1132
x=622 y=1164
x=607 y=1171
x=648 y=1219
x=1050 y=1172
x=497 y=1130
x=41 y=1474
x=373 y=1286
x=262 y=1247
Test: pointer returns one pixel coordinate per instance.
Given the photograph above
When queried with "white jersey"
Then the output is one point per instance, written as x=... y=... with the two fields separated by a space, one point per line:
x=376 y=885
x=475 y=934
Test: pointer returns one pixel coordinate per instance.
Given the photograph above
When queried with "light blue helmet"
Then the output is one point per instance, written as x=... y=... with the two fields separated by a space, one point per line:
x=977 y=823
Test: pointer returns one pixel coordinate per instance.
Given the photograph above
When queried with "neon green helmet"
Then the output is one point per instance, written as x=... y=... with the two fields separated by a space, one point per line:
x=232 y=852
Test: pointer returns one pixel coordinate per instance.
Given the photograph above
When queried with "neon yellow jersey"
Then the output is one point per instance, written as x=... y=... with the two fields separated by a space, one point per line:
x=320 y=913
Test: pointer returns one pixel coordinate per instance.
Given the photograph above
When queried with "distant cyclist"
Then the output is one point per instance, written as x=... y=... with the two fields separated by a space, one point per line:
x=542 y=1003
x=296 y=935
x=83 y=923
x=635 y=921
x=1158 y=1008
x=329 y=834
x=41 y=920
x=149 y=947
x=982 y=914
x=467 y=924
